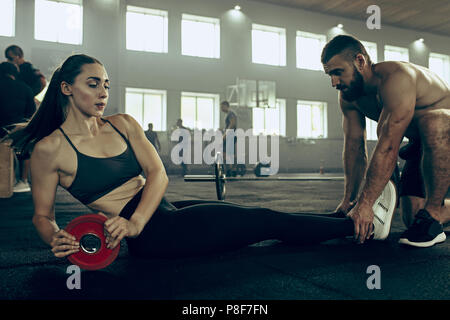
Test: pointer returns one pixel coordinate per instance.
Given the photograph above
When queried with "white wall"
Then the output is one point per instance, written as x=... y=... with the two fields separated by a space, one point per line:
x=104 y=38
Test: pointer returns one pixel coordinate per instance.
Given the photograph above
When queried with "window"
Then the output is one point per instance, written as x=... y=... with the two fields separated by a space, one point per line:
x=309 y=50
x=147 y=106
x=200 y=36
x=200 y=110
x=392 y=53
x=7 y=18
x=311 y=119
x=155 y=24
x=39 y=97
x=268 y=45
x=59 y=21
x=270 y=120
x=371 y=129
x=371 y=48
x=440 y=64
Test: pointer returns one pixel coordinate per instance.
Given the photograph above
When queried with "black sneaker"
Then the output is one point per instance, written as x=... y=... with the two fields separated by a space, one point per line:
x=411 y=150
x=424 y=231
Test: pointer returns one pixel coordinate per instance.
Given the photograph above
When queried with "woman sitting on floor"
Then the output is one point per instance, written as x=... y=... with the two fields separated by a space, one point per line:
x=98 y=159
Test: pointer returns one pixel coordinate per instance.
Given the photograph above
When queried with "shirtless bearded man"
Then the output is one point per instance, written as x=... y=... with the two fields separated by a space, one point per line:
x=409 y=101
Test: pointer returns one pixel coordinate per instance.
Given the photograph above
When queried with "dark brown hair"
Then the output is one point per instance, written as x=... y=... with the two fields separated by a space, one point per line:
x=53 y=110
x=9 y=69
x=16 y=50
x=347 y=45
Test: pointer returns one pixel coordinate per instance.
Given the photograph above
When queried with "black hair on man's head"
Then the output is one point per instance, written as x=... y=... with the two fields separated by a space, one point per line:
x=15 y=50
x=8 y=69
x=346 y=45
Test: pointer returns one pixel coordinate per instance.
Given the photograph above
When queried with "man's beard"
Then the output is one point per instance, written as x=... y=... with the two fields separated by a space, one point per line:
x=356 y=88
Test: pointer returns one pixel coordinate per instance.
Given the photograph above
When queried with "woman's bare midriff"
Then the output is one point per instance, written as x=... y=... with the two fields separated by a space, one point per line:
x=112 y=203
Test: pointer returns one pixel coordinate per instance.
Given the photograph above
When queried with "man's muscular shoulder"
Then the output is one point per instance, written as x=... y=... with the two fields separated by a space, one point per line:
x=395 y=73
x=398 y=86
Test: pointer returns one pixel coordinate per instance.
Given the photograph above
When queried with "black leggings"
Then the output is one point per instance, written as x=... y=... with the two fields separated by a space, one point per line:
x=196 y=227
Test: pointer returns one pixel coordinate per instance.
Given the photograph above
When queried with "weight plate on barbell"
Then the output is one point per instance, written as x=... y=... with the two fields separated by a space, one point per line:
x=220 y=181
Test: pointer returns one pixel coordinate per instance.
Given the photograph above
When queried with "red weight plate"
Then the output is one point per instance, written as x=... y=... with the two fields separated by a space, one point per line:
x=91 y=224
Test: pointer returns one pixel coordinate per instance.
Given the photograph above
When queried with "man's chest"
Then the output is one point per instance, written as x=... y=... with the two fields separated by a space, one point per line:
x=370 y=106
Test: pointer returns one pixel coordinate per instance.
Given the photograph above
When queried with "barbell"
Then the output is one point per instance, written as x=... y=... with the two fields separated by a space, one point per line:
x=220 y=179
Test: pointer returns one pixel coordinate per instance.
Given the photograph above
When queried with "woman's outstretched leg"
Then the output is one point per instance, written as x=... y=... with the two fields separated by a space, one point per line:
x=218 y=227
x=186 y=203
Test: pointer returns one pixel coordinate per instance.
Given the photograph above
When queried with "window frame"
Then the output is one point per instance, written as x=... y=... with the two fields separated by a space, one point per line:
x=281 y=43
x=149 y=12
x=324 y=106
x=371 y=130
x=402 y=50
x=58 y=30
x=202 y=19
x=368 y=44
x=215 y=111
x=143 y=92
x=281 y=106
x=12 y=27
x=303 y=34
x=446 y=72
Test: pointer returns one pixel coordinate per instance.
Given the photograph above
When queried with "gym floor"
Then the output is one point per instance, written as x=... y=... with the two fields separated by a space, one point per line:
x=332 y=270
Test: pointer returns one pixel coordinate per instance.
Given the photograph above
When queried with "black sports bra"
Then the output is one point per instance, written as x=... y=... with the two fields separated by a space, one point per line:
x=96 y=177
